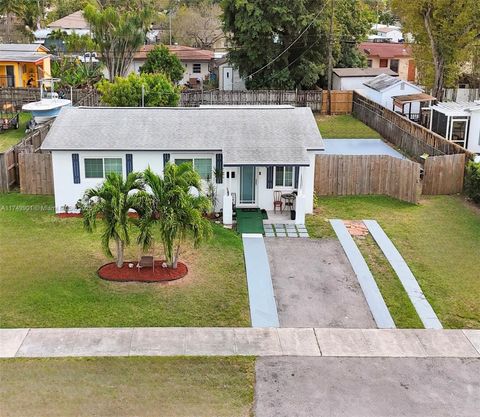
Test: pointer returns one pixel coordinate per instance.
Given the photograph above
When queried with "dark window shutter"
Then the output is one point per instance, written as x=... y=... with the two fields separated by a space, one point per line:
x=297 y=175
x=166 y=159
x=76 y=168
x=129 y=164
x=219 y=168
x=269 y=177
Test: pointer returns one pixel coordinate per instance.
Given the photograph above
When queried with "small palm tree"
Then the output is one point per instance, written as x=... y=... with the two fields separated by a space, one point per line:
x=175 y=209
x=112 y=201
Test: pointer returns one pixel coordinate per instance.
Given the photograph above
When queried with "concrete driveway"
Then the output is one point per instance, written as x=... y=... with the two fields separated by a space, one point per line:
x=315 y=285
x=367 y=387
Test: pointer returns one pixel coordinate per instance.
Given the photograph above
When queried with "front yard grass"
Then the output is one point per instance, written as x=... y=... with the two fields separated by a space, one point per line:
x=439 y=239
x=344 y=126
x=13 y=136
x=114 y=387
x=48 y=277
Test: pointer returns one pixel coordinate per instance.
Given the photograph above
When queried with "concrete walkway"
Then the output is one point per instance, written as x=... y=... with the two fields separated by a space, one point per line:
x=167 y=341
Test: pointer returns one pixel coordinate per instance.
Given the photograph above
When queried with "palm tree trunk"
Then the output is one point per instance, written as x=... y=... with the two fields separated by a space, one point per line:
x=120 y=249
x=175 y=259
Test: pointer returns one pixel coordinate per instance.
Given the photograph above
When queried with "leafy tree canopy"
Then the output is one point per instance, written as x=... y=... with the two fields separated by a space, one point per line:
x=161 y=60
x=444 y=31
x=127 y=91
x=260 y=31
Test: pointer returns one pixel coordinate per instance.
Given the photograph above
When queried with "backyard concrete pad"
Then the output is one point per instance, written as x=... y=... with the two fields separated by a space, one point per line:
x=10 y=341
x=367 y=387
x=315 y=285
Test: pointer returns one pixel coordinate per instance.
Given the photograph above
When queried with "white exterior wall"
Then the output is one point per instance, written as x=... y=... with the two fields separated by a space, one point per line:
x=474 y=134
x=349 y=83
x=136 y=64
x=68 y=193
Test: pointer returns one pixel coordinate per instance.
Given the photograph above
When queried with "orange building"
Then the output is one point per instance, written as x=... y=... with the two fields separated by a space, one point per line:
x=23 y=65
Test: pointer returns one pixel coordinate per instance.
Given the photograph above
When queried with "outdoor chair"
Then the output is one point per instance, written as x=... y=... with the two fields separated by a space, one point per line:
x=277 y=201
x=146 y=262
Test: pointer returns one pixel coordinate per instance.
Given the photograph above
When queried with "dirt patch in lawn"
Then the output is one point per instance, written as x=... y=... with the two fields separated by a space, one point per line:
x=130 y=272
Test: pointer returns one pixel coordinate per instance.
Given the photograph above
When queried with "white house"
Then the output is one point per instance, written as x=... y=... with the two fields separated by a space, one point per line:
x=392 y=33
x=258 y=150
x=354 y=78
x=458 y=122
x=383 y=88
x=195 y=61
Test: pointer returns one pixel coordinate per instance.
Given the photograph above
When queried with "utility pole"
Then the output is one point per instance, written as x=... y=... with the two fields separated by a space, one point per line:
x=330 y=59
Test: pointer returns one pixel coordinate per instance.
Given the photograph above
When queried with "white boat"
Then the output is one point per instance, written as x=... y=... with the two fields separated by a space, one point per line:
x=49 y=105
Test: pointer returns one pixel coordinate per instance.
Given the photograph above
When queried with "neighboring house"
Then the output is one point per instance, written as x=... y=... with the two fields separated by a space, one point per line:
x=229 y=78
x=391 y=33
x=354 y=78
x=383 y=88
x=196 y=62
x=257 y=150
x=396 y=56
x=73 y=23
x=23 y=65
x=458 y=122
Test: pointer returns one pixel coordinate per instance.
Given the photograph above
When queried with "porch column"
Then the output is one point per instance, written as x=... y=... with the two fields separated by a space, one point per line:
x=300 y=205
x=227 y=209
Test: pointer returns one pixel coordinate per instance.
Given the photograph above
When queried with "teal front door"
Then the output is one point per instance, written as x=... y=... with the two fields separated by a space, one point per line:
x=247 y=185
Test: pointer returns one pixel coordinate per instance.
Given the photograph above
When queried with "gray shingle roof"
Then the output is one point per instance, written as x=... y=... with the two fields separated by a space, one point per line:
x=21 y=56
x=19 y=47
x=362 y=72
x=245 y=135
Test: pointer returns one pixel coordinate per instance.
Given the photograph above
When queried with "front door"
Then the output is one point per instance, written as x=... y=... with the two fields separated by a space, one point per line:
x=247 y=185
x=10 y=76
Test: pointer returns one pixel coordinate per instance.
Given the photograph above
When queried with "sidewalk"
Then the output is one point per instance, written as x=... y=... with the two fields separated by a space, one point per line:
x=167 y=341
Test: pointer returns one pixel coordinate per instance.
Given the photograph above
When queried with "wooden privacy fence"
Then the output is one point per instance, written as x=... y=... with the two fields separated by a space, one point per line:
x=9 y=173
x=36 y=174
x=444 y=174
x=367 y=174
x=412 y=138
x=315 y=99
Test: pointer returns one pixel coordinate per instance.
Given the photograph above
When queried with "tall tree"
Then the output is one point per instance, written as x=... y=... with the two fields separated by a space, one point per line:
x=119 y=28
x=285 y=44
x=113 y=200
x=161 y=60
x=176 y=210
x=11 y=9
x=443 y=31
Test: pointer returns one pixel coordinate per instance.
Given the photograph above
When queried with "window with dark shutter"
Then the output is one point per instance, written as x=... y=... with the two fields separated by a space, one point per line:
x=76 y=168
x=129 y=163
x=270 y=177
x=219 y=168
x=297 y=175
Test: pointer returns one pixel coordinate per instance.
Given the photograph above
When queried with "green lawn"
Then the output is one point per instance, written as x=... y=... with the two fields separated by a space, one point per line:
x=48 y=277
x=344 y=127
x=121 y=387
x=439 y=239
x=13 y=136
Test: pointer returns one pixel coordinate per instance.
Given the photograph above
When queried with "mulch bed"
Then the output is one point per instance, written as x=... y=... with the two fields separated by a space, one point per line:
x=110 y=272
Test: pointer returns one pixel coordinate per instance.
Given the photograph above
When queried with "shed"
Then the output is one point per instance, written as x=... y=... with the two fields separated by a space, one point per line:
x=354 y=78
x=383 y=88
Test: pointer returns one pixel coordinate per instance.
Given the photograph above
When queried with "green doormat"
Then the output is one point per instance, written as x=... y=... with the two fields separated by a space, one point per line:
x=250 y=221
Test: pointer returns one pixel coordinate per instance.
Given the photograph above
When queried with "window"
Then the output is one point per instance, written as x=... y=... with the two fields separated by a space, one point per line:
x=197 y=68
x=394 y=65
x=94 y=168
x=383 y=63
x=283 y=176
x=100 y=167
x=202 y=165
x=369 y=63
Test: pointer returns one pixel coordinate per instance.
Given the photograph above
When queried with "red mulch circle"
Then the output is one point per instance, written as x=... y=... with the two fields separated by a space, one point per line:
x=110 y=272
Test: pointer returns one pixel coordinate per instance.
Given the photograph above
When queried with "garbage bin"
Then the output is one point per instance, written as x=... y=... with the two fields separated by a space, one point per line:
x=292 y=214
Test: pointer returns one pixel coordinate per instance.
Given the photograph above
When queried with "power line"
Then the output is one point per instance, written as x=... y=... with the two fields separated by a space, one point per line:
x=289 y=46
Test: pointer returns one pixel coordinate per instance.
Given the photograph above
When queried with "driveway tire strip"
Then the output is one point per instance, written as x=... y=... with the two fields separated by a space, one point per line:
x=374 y=298
x=420 y=303
x=263 y=308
